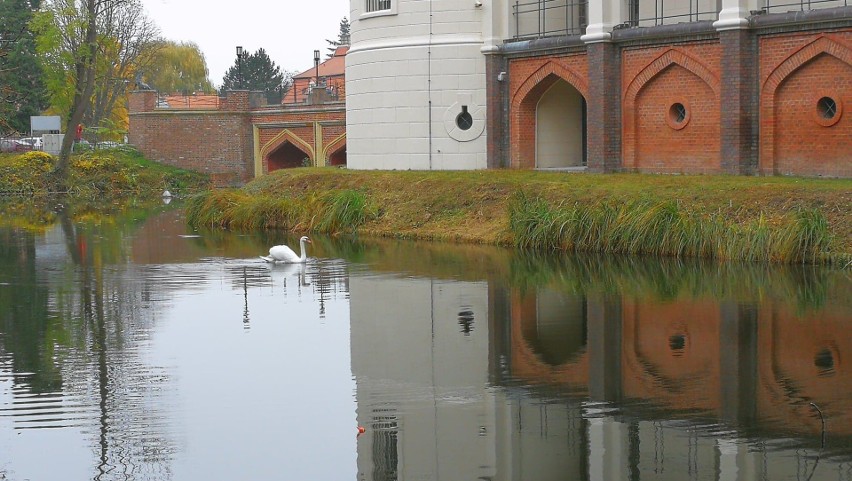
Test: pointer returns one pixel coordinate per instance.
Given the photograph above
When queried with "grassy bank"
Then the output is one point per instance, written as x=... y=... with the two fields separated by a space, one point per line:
x=110 y=173
x=751 y=218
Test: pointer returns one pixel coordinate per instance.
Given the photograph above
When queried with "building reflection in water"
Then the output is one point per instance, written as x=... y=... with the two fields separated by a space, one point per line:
x=483 y=380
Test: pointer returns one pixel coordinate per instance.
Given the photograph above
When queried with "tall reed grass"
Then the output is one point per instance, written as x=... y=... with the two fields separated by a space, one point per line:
x=663 y=229
x=334 y=212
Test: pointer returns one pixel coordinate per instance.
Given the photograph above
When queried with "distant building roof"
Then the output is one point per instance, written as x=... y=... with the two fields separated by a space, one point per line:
x=332 y=67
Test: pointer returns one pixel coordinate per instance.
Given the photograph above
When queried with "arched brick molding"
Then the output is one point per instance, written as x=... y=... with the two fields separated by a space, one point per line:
x=673 y=78
x=816 y=66
x=333 y=147
x=283 y=137
x=524 y=103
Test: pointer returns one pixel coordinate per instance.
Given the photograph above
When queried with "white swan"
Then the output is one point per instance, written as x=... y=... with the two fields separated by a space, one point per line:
x=286 y=255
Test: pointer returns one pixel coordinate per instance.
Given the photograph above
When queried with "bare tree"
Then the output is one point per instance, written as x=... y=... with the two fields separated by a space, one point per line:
x=129 y=42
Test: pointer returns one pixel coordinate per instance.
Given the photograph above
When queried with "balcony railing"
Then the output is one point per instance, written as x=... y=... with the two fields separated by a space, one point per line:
x=802 y=5
x=666 y=12
x=548 y=18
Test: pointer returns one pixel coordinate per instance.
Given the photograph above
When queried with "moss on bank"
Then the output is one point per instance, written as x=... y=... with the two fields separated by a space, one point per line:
x=111 y=173
x=775 y=219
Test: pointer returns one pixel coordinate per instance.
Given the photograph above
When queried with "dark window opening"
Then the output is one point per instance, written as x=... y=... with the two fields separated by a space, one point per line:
x=827 y=108
x=678 y=113
x=677 y=343
x=824 y=362
x=464 y=120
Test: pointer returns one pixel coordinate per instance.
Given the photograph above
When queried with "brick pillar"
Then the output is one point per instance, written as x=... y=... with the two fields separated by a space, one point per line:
x=142 y=101
x=235 y=100
x=603 y=124
x=739 y=102
x=738 y=369
x=605 y=347
x=497 y=111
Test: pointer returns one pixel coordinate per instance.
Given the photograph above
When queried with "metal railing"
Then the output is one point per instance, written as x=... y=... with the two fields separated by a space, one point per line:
x=548 y=18
x=191 y=102
x=803 y=5
x=670 y=12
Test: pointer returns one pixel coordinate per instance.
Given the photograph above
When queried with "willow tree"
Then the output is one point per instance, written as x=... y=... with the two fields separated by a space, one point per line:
x=178 y=67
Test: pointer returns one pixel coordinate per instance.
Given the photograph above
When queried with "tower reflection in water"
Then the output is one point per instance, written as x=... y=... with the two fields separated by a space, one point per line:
x=486 y=380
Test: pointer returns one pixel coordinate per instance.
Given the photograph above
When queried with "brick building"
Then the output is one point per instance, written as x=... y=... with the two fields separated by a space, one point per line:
x=693 y=86
x=238 y=136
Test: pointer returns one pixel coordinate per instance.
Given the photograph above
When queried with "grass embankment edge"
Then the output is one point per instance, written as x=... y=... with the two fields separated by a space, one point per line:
x=762 y=219
x=110 y=173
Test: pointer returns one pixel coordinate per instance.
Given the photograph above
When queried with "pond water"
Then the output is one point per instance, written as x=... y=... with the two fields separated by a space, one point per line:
x=135 y=349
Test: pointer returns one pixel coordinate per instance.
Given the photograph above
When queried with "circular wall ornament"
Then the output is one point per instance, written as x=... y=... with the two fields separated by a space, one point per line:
x=678 y=115
x=828 y=110
x=464 y=121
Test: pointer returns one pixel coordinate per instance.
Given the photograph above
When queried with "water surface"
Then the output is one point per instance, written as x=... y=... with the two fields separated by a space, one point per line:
x=134 y=349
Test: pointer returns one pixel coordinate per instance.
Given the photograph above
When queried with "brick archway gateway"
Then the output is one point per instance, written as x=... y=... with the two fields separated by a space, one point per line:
x=524 y=108
x=286 y=150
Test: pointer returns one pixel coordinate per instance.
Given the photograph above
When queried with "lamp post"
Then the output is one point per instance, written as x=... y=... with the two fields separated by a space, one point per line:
x=241 y=54
x=316 y=67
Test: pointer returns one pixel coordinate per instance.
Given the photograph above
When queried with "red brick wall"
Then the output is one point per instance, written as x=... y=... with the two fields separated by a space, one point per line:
x=796 y=70
x=654 y=79
x=221 y=142
x=529 y=80
x=211 y=142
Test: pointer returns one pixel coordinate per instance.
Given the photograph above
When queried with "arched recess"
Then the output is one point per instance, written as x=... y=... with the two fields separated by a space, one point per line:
x=525 y=104
x=549 y=339
x=335 y=151
x=285 y=157
x=816 y=64
x=560 y=128
x=671 y=82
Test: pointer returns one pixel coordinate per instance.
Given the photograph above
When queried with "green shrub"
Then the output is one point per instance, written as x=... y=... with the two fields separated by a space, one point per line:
x=662 y=229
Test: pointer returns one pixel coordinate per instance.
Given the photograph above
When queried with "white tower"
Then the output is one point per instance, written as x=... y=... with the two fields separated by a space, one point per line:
x=415 y=84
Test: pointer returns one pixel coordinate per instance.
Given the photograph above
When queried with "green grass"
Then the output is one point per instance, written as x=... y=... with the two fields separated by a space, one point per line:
x=761 y=219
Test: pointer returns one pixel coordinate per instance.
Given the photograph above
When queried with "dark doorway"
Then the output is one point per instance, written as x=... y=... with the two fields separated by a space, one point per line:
x=338 y=157
x=287 y=156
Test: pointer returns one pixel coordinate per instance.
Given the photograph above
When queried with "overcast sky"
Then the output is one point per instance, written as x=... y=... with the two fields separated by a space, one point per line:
x=288 y=30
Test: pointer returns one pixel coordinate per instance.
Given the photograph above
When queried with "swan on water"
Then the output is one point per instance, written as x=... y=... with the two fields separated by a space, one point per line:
x=286 y=255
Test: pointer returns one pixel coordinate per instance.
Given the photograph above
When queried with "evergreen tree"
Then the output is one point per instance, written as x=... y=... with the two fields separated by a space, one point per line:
x=258 y=73
x=22 y=90
x=342 y=37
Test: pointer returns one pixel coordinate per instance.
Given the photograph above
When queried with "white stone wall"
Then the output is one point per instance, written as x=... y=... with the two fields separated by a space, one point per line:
x=391 y=79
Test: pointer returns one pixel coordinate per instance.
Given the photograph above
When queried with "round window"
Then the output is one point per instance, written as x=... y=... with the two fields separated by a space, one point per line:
x=828 y=110
x=678 y=115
